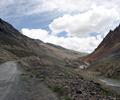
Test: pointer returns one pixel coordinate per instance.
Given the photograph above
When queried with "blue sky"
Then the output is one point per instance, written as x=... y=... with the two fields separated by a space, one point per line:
x=41 y=20
x=74 y=24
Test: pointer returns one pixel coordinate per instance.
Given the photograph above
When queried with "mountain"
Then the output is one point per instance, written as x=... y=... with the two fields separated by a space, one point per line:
x=106 y=57
x=15 y=45
x=109 y=45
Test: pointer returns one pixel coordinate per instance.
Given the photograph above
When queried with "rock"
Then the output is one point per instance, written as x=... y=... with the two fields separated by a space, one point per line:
x=79 y=92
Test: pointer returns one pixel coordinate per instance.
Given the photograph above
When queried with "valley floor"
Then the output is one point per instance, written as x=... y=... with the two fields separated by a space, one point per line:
x=46 y=83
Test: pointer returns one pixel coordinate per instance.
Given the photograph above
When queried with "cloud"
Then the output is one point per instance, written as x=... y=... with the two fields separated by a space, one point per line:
x=35 y=33
x=75 y=43
x=29 y=7
x=98 y=20
x=66 y=5
x=18 y=7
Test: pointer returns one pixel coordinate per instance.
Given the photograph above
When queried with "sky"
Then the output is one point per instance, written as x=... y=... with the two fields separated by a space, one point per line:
x=74 y=24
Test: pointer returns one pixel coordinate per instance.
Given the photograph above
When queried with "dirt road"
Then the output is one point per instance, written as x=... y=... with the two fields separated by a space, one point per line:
x=13 y=87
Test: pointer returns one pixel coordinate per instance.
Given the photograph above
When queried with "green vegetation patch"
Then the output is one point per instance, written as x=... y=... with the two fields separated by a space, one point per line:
x=67 y=98
x=57 y=89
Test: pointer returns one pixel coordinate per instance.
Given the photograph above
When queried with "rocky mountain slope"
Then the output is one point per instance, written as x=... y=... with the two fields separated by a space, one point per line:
x=15 y=45
x=46 y=64
x=109 y=45
x=106 y=57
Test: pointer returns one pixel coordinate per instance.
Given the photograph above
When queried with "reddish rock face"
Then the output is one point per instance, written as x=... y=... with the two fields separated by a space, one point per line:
x=109 y=45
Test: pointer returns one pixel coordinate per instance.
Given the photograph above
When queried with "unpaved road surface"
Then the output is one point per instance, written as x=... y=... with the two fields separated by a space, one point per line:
x=111 y=82
x=114 y=84
x=13 y=87
x=8 y=74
